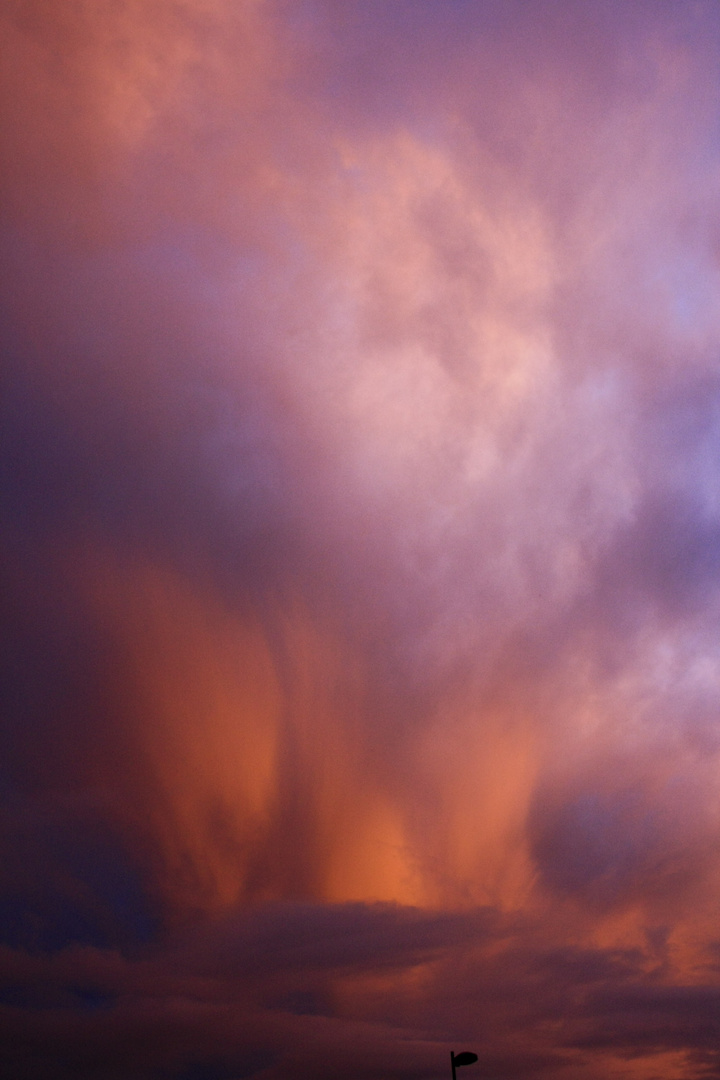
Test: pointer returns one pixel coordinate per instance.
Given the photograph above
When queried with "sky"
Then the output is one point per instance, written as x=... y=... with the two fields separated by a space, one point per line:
x=360 y=539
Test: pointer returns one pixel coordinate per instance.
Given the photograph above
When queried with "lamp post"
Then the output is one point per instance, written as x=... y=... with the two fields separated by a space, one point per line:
x=465 y=1058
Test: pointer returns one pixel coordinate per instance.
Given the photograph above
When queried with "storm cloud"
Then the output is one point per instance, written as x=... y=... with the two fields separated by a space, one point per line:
x=360 y=430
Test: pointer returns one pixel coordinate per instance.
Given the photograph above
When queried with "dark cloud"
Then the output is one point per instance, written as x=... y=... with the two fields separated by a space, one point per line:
x=162 y=1015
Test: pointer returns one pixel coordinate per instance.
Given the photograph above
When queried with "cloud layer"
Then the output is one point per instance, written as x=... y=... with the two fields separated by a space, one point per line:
x=360 y=539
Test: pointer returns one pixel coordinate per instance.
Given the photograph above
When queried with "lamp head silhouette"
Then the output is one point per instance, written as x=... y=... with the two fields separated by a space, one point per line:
x=465 y=1058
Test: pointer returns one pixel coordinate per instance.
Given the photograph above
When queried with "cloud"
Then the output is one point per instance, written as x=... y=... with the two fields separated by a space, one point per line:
x=359 y=538
x=298 y=990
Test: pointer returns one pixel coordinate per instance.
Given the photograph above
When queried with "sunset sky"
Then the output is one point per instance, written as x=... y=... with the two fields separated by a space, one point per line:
x=360 y=539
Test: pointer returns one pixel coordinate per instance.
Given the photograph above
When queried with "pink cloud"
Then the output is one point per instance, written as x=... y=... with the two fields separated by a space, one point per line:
x=360 y=534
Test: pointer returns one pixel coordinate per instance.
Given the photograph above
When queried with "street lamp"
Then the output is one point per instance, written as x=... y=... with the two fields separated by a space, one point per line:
x=466 y=1058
